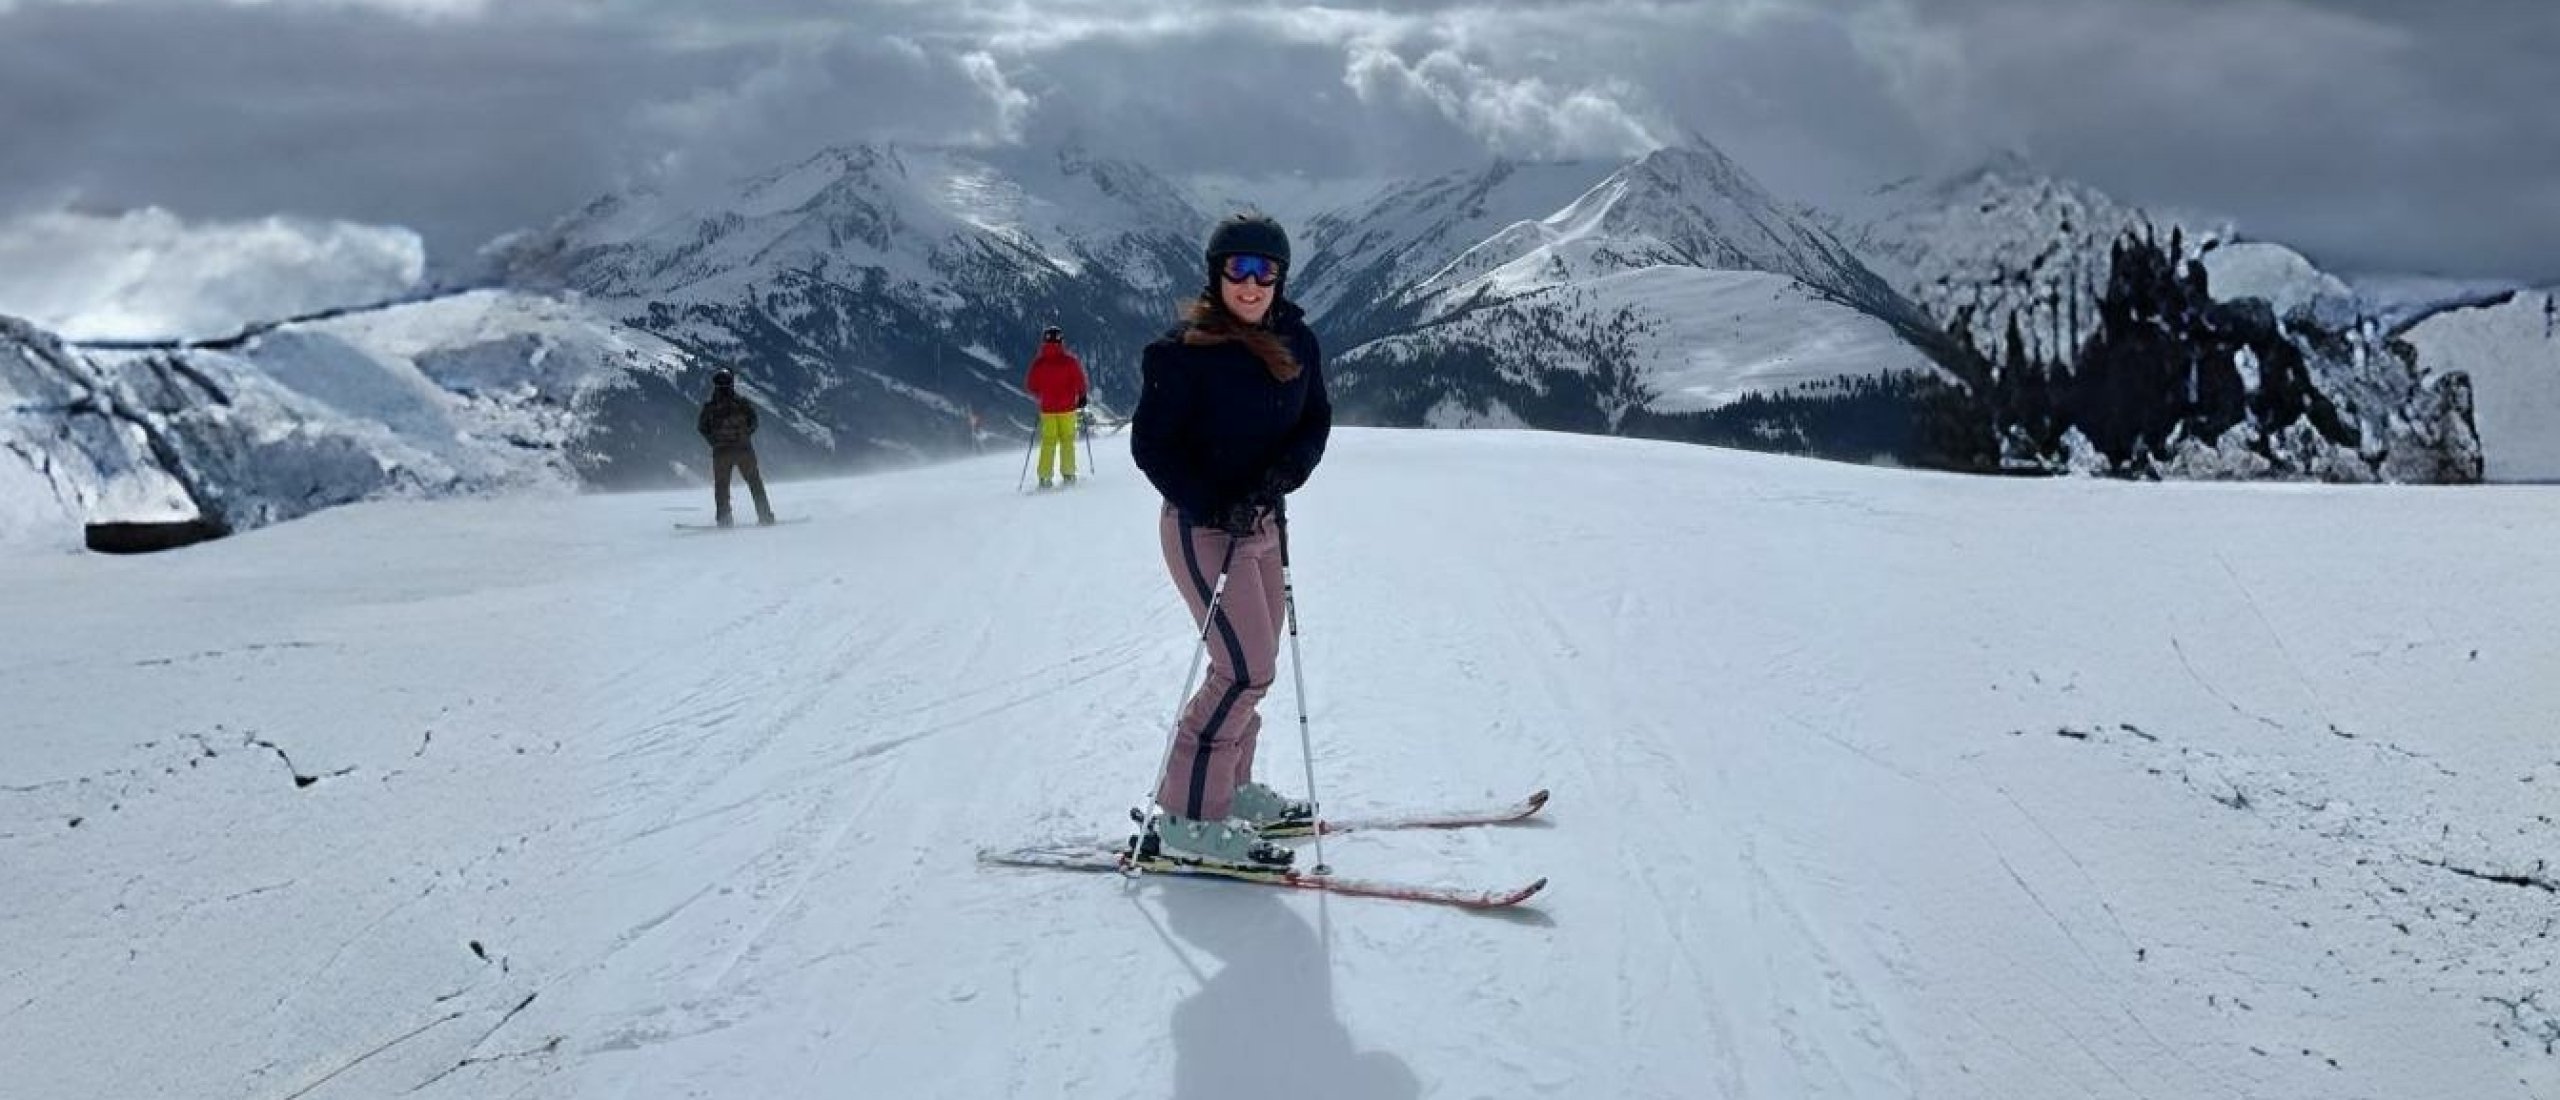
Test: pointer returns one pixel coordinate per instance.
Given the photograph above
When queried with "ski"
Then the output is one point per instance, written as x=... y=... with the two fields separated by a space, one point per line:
x=1453 y=817
x=1450 y=818
x=1116 y=859
x=682 y=526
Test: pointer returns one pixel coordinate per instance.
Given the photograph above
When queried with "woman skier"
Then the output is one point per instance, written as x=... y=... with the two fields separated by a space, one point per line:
x=1232 y=418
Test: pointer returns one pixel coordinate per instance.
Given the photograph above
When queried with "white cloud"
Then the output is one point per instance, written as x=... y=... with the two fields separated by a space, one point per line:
x=1523 y=116
x=147 y=274
x=1010 y=104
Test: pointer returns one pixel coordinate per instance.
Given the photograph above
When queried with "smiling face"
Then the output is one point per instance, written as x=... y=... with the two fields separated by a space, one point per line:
x=1247 y=284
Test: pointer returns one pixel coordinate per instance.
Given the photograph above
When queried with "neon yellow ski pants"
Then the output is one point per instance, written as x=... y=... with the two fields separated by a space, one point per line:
x=1057 y=433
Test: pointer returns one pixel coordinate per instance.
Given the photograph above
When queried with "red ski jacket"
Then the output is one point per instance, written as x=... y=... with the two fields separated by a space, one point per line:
x=1056 y=379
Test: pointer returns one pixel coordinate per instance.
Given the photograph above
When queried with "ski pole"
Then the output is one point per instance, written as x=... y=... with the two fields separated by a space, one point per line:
x=1217 y=592
x=1025 y=479
x=1298 y=671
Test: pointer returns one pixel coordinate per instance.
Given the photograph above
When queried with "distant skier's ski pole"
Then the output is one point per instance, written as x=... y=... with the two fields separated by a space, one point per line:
x=1085 y=423
x=1027 y=448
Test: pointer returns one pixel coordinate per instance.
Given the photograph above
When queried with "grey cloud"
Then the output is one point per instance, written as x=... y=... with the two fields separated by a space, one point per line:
x=833 y=91
x=1208 y=102
x=457 y=129
x=2372 y=134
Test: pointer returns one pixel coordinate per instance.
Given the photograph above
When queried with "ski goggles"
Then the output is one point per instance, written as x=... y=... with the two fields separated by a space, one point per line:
x=1240 y=266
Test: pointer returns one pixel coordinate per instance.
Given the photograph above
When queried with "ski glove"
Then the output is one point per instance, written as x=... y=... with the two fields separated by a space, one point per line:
x=1281 y=479
x=1238 y=519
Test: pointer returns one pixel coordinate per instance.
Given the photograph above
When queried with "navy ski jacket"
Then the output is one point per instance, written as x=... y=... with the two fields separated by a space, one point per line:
x=1213 y=427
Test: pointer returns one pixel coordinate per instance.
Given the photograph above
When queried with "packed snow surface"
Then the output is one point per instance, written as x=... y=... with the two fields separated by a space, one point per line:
x=1869 y=783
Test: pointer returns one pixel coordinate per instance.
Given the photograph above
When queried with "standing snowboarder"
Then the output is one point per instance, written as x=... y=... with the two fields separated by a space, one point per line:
x=728 y=424
x=1233 y=417
x=1056 y=381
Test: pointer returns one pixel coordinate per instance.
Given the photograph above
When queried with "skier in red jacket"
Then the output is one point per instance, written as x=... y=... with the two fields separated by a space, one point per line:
x=1057 y=381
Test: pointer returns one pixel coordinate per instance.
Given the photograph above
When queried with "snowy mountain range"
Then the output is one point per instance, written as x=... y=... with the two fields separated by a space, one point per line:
x=484 y=391
x=893 y=288
x=880 y=301
x=1671 y=288
x=881 y=294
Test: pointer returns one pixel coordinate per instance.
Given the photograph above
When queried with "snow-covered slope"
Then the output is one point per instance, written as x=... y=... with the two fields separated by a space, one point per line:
x=1869 y=783
x=2511 y=351
x=477 y=392
x=1666 y=338
x=2397 y=301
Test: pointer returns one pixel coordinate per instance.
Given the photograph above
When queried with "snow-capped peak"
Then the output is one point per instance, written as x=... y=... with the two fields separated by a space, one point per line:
x=909 y=213
x=1367 y=253
x=2002 y=241
x=1684 y=206
x=2274 y=274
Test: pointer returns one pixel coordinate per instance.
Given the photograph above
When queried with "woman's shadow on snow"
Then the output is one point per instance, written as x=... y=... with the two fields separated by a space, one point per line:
x=1263 y=1027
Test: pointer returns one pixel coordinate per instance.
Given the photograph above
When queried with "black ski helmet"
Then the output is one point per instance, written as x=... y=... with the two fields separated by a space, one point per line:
x=723 y=379
x=1052 y=334
x=1249 y=233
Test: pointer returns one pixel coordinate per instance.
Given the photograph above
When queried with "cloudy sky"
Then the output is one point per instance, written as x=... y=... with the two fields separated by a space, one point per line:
x=2376 y=135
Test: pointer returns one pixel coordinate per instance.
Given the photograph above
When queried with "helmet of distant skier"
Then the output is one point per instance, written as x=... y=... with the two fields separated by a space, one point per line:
x=1052 y=334
x=723 y=378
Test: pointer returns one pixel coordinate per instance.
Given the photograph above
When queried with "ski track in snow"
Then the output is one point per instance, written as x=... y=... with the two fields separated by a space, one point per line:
x=1869 y=784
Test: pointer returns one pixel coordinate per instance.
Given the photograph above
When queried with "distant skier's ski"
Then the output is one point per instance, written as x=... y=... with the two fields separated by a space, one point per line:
x=1082 y=857
x=738 y=526
x=1450 y=818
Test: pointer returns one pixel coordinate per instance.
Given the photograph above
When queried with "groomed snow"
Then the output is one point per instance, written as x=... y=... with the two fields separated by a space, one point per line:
x=1868 y=784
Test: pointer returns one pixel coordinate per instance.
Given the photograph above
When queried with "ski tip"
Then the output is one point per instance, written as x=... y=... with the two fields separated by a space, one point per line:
x=1538 y=800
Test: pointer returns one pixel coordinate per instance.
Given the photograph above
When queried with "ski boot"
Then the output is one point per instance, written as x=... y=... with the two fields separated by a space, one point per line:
x=1215 y=844
x=1272 y=815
